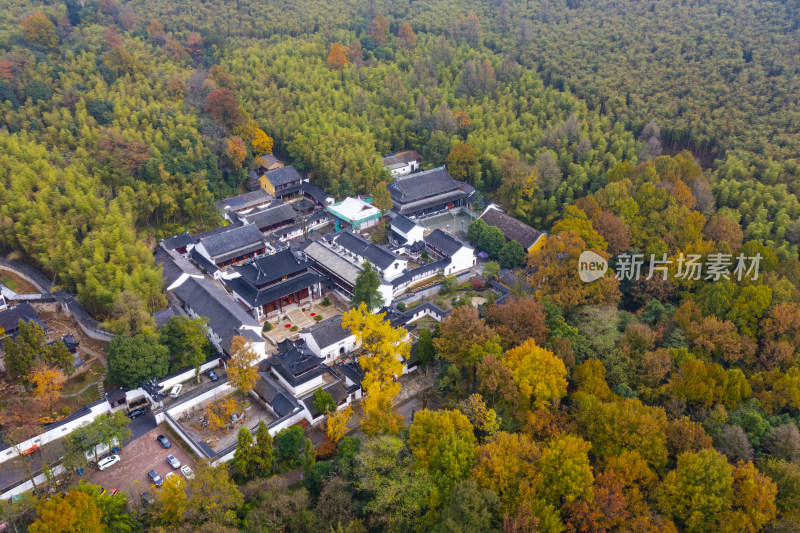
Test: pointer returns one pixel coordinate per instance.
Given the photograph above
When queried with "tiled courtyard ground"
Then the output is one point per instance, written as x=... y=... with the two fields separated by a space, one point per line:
x=300 y=318
x=455 y=224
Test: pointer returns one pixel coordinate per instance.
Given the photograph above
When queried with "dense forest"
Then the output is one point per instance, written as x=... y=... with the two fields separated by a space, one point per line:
x=659 y=127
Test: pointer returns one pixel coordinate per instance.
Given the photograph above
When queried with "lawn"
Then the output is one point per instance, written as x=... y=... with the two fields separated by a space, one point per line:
x=10 y=283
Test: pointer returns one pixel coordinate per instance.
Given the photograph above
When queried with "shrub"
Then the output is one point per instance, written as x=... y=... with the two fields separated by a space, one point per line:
x=401 y=306
x=267 y=327
x=293 y=328
x=326 y=301
x=318 y=318
x=326 y=450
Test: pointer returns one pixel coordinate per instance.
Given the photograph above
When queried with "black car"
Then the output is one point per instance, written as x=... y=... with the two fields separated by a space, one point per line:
x=146 y=498
x=155 y=478
x=212 y=375
x=138 y=412
x=164 y=441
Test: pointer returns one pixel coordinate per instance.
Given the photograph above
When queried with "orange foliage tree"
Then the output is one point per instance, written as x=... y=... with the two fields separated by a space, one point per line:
x=336 y=57
x=38 y=29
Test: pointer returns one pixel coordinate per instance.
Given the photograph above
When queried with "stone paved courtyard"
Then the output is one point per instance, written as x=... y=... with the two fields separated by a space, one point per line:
x=300 y=317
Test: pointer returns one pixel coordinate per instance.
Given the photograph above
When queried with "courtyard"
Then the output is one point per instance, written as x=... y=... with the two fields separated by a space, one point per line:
x=455 y=222
x=290 y=322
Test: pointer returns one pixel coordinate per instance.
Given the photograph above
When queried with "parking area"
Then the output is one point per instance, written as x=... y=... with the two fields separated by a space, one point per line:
x=136 y=460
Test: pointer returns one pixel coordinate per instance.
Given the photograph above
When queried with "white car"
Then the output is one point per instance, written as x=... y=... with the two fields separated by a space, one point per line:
x=173 y=461
x=187 y=472
x=108 y=460
x=176 y=390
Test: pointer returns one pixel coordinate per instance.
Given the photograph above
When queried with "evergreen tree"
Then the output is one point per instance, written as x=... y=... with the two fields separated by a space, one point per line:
x=264 y=449
x=244 y=454
x=366 y=288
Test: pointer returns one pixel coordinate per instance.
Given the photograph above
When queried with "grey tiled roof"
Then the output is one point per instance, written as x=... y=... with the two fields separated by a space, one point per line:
x=269 y=268
x=422 y=185
x=443 y=242
x=276 y=396
x=245 y=201
x=283 y=176
x=335 y=389
x=315 y=193
x=174 y=265
x=424 y=203
x=255 y=297
x=403 y=223
x=332 y=262
x=9 y=319
x=225 y=316
x=377 y=255
x=513 y=229
x=296 y=363
x=328 y=332
x=409 y=275
x=270 y=216
x=181 y=239
x=232 y=241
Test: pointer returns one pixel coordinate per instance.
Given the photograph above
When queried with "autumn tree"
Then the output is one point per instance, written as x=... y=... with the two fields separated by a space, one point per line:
x=539 y=375
x=242 y=371
x=210 y=495
x=236 y=151
x=261 y=142
x=77 y=511
x=408 y=39
x=555 y=273
x=444 y=443
x=463 y=164
x=337 y=59
x=38 y=29
x=704 y=492
x=517 y=320
x=48 y=382
x=383 y=348
x=564 y=470
x=507 y=466
x=460 y=333
x=171 y=502
x=636 y=427
x=336 y=424
x=378 y=30
x=223 y=107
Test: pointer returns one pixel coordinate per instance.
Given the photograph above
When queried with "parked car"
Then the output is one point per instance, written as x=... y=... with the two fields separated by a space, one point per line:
x=155 y=478
x=212 y=375
x=164 y=441
x=112 y=492
x=102 y=491
x=176 y=390
x=170 y=475
x=141 y=411
x=187 y=472
x=108 y=460
x=173 y=461
x=146 y=498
